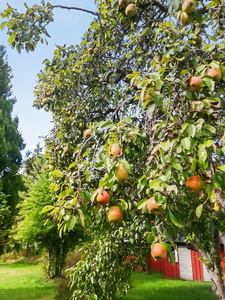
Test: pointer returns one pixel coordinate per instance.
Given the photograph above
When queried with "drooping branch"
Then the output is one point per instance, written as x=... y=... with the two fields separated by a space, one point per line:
x=76 y=8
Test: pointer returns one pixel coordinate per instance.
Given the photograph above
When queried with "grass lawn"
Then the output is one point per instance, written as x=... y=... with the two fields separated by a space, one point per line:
x=155 y=286
x=24 y=282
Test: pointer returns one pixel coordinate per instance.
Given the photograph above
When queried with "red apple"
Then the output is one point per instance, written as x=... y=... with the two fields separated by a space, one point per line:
x=121 y=173
x=154 y=208
x=131 y=10
x=197 y=106
x=45 y=101
x=158 y=252
x=195 y=184
x=214 y=73
x=115 y=214
x=131 y=134
x=194 y=84
x=185 y=19
x=188 y=6
x=115 y=149
x=124 y=3
x=87 y=133
x=90 y=50
x=103 y=198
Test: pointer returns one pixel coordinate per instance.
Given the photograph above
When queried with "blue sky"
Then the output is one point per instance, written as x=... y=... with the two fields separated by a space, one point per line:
x=68 y=28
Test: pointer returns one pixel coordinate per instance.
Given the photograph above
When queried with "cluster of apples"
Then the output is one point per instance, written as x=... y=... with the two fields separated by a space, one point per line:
x=114 y=213
x=187 y=8
x=195 y=185
x=194 y=84
x=130 y=8
x=157 y=250
x=46 y=95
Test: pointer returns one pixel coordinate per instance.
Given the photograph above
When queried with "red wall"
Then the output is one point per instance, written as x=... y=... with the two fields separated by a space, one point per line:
x=164 y=266
x=170 y=271
x=197 y=267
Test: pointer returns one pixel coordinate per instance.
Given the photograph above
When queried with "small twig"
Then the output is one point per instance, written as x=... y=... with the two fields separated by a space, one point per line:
x=76 y=8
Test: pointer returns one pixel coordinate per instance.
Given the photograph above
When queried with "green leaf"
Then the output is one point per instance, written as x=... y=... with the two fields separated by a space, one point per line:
x=177 y=166
x=198 y=211
x=158 y=99
x=166 y=246
x=150 y=238
x=107 y=124
x=47 y=208
x=208 y=143
x=146 y=31
x=193 y=165
x=57 y=173
x=155 y=185
x=191 y=130
x=172 y=188
x=142 y=203
x=186 y=143
x=82 y=218
x=174 y=218
x=158 y=84
x=3 y=25
x=142 y=182
x=71 y=223
x=222 y=168
x=123 y=205
x=171 y=257
x=72 y=165
x=93 y=196
x=127 y=166
x=212 y=197
x=202 y=154
x=11 y=39
x=210 y=128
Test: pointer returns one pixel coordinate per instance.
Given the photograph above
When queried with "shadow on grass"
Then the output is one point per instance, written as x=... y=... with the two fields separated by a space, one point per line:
x=27 y=293
x=155 y=286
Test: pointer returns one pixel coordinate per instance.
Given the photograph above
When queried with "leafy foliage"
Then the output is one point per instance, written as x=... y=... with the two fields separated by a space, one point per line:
x=129 y=82
x=10 y=156
x=31 y=228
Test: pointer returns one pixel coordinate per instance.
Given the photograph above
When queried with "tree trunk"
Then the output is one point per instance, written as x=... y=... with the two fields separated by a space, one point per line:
x=28 y=249
x=58 y=261
x=49 y=262
x=213 y=265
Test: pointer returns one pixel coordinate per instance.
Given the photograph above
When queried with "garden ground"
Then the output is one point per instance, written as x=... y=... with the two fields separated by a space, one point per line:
x=155 y=286
x=25 y=281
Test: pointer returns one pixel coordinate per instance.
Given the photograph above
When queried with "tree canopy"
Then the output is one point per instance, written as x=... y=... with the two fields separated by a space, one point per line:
x=151 y=82
x=10 y=151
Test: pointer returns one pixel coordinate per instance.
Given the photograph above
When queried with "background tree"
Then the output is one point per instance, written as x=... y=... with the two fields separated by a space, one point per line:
x=10 y=152
x=143 y=82
x=30 y=226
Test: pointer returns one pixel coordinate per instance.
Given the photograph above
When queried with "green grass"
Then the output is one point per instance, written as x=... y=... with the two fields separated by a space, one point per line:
x=155 y=286
x=24 y=282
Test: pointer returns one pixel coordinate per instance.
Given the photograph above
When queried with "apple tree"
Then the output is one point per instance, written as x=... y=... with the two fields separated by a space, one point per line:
x=148 y=78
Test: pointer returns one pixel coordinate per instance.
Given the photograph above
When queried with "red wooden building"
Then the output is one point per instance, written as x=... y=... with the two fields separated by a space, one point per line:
x=187 y=266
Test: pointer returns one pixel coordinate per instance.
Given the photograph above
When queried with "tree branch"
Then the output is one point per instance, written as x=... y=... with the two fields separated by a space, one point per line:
x=76 y=8
x=155 y=3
